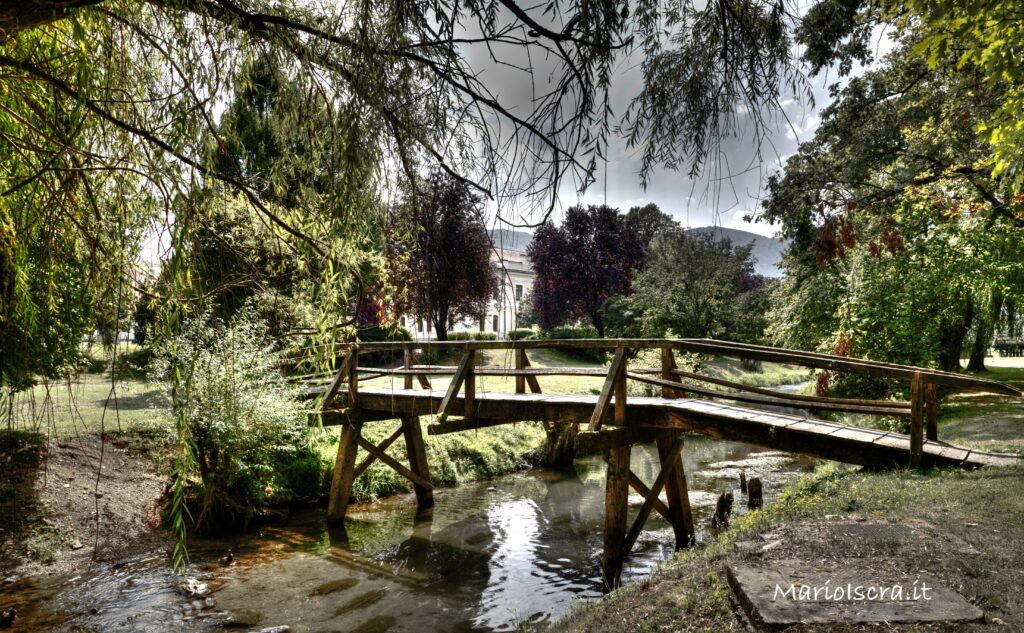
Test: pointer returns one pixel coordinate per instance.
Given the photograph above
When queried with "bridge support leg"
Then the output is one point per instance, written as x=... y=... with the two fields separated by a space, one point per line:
x=679 y=514
x=344 y=472
x=417 y=454
x=616 y=506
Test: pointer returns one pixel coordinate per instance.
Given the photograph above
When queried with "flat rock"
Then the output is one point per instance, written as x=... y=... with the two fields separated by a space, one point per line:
x=796 y=592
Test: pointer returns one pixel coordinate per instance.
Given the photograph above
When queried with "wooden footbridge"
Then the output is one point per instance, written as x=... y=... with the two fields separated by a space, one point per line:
x=612 y=422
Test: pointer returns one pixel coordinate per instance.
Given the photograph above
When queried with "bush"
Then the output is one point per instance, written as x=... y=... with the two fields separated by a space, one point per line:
x=519 y=334
x=382 y=333
x=460 y=336
x=566 y=332
x=472 y=336
x=247 y=434
x=485 y=336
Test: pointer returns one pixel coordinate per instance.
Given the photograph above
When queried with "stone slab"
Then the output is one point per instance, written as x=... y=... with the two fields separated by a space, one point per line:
x=795 y=592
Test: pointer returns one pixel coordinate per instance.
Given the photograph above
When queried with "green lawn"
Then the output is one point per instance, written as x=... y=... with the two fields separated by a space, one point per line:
x=82 y=404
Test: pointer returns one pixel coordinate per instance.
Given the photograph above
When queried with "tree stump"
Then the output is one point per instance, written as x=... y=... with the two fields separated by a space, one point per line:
x=723 y=508
x=754 y=499
x=743 y=483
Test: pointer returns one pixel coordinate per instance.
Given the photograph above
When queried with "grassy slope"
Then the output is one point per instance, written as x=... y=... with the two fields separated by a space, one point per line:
x=982 y=509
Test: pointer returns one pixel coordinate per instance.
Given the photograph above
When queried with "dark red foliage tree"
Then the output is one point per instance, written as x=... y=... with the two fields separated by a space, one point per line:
x=448 y=253
x=591 y=257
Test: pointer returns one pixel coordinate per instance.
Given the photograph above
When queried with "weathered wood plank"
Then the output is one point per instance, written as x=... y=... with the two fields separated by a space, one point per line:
x=641 y=488
x=383 y=446
x=916 y=420
x=397 y=466
x=417 y=454
x=616 y=508
x=608 y=389
x=344 y=375
x=680 y=514
x=670 y=464
x=453 y=389
x=589 y=442
x=342 y=477
x=931 y=412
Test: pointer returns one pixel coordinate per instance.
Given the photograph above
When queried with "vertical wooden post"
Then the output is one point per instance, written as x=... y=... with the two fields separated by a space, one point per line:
x=680 y=515
x=470 y=385
x=521 y=364
x=407 y=365
x=417 y=454
x=668 y=363
x=353 y=378
x=344 y=470
x=620 y=390
x=616 y=505
x=931 y=412
x=916 y=419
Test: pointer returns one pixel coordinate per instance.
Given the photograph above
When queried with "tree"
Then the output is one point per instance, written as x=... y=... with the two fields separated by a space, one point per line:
x=589 y=258
x=648 y=222
x=448 y=253
x=693 y=286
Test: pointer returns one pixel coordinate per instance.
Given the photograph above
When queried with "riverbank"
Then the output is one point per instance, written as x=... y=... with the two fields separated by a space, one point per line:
x=964 y=527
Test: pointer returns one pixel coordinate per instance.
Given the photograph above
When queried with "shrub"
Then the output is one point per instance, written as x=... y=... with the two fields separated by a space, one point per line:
x=460 y=336
x=380 y=333
x=245 y=430
x=485 y=336
x=566 y=332
x=520 y=334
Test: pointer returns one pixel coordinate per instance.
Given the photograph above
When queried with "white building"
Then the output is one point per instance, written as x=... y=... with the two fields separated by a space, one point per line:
x=516 y=278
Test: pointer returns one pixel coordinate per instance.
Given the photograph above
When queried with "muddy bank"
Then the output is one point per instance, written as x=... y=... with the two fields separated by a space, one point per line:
x=78 y=502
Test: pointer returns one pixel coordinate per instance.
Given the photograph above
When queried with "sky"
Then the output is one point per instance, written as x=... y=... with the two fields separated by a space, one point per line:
x=730 y=185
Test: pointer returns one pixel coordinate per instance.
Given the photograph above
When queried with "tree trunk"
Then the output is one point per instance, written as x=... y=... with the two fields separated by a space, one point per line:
x=598 y=324
x=441 y=328
x=953 y=336
x=986 y=328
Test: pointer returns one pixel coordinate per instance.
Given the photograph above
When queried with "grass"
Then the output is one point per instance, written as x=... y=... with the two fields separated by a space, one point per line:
x=454 y=459
x=969 y=521
x=68 y=408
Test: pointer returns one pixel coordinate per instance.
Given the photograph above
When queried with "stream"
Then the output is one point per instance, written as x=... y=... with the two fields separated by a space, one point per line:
x=513 y=552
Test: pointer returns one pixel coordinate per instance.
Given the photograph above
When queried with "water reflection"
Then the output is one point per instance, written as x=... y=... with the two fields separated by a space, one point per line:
x=489 y=557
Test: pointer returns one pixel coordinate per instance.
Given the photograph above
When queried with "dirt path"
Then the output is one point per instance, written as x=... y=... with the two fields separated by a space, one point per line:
x=53 y=505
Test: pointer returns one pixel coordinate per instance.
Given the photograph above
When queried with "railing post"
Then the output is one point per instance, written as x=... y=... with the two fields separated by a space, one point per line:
x=668 y=363
x=931 y=410
x=520 y=364
x=470 y=395
x=917 y=414
x=620 y=388
x=353 y=378
x=407 y=365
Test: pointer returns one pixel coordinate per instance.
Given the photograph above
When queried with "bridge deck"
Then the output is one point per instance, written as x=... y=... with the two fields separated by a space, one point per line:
x=782 y=431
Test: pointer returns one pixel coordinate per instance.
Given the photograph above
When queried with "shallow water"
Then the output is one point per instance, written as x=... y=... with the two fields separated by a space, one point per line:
x=490 y=556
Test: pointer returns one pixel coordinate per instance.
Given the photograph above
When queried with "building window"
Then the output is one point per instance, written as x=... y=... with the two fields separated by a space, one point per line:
x=419 y=325
x=482 y=321
x=401 y=321
x=494 y=322
x=519 y=292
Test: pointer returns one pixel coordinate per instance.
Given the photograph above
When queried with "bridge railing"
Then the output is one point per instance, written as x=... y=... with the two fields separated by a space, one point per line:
x=921 y=409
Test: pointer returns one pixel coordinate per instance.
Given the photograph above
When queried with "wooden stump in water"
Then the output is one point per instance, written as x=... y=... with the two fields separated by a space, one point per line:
x=723 y=507
x=754 y=498
x=743 y=483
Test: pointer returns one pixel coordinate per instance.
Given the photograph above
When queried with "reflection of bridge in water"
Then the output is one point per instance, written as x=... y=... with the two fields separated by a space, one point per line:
x=613 y=422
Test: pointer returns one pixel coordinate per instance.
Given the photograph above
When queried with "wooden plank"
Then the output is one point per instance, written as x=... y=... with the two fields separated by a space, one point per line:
x=344 y=374
x=417 y=454
x=931 y=412
x=383 y=446
x=469 y=401
x=344 y=469
x=641 y=489
x=465 y=424
x=916 y=419
x=453 y=389
x=620 y=390
x=520 y=365
x=407 y=364
x=397 y=466
x=616 y=508
x=659 y=483
x=589 y=442
x=779 y=401
x=531 y=380
x=668 y=366
x=353 y=379
x=608 y=389
x=680 y=514
x=788 y=396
